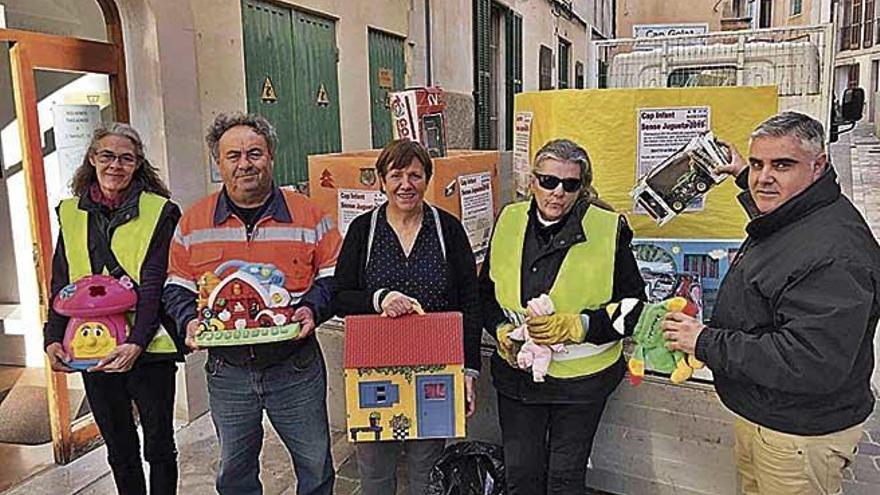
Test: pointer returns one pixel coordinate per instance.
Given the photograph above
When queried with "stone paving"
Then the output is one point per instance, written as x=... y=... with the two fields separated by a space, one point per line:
x=863 y=477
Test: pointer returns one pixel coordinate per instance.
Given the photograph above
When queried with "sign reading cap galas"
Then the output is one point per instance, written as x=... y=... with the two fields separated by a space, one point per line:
x=655 y=30
x=650 y=31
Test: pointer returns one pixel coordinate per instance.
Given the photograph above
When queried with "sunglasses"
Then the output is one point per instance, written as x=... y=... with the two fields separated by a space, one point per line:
x=551 y=182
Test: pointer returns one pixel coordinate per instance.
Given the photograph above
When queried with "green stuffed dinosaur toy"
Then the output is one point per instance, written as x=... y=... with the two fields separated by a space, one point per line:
x=650 y=349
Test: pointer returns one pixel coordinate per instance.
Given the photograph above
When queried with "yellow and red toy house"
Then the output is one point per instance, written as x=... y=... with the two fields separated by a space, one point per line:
x=404 y=377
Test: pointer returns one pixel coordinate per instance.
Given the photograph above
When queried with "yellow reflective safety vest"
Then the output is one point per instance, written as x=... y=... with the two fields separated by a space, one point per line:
x=585 y=281
x=129 y=244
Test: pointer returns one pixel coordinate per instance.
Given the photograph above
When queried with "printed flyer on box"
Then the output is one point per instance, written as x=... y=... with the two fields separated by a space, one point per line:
x=477 y=211
x=354 y=202
x=522 y=135
x=662 y=132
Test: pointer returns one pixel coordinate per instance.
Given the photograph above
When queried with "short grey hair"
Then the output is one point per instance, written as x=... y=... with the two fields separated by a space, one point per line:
x=806 y=129
x=566 y=150
x=225 y=121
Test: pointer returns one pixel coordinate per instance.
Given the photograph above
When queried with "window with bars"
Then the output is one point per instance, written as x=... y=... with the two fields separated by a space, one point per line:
x=545 y=68
x=855 y=40
x=868 y=37
x=579 y=75
x=488 y=57
x=797 y=6
x=701 y=264
x=564 y=64
x=846 y=25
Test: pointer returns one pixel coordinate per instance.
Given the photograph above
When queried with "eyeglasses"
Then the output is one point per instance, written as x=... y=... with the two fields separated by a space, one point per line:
x=551 y=182
x=107 y=157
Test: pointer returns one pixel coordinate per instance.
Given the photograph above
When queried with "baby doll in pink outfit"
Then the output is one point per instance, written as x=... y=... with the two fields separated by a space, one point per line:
x=531 y=354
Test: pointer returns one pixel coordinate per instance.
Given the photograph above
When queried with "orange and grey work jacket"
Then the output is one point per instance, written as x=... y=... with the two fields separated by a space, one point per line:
x=293 y=234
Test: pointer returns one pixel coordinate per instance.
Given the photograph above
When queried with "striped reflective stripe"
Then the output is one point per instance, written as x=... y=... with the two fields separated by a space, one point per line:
x=179 y=238
x=577 y=351
x=326 y=272
x=223 y=234
x=186 y=284
x=238 y=234
x=325 y=225
x=286 y=234
x=514 y=317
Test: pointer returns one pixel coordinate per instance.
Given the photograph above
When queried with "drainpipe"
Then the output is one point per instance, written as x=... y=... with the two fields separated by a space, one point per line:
x=429 y=80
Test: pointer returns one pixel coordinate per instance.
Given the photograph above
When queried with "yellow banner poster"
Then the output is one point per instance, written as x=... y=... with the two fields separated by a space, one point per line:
x=630 y=130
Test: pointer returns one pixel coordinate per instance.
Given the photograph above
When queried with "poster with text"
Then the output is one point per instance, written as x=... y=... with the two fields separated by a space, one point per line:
x=74 y=125
x=476 y=211
x=522 y=134
x=662 y=132
x=354 y=202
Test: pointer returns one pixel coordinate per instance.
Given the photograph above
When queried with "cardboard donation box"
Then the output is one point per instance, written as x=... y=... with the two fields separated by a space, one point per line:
x=404 y=377
x=417 y=115
x=465 y=183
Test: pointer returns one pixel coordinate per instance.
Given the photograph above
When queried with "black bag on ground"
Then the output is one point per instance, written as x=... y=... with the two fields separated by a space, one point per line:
x=468 y=468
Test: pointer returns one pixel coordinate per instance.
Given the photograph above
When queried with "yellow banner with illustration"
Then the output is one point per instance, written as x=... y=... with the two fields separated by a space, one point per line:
x=627 y=132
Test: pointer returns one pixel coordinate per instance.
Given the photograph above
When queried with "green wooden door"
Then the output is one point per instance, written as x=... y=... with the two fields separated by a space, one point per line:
x=290 y=63
x=316 y=84
x=268 y=57
x=387 y=73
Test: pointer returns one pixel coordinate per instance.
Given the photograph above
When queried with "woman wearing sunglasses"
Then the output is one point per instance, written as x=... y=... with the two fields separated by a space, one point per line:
x=568 y=244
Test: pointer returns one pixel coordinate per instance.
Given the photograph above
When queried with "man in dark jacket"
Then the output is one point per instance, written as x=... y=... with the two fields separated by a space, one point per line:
x=791 y=339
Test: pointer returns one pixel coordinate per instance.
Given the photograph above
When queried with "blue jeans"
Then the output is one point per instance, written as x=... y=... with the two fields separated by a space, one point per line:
x=377 y=464
x=294 y=395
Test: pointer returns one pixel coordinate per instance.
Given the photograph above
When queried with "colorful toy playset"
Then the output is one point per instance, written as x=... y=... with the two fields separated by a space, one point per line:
x=249 y=305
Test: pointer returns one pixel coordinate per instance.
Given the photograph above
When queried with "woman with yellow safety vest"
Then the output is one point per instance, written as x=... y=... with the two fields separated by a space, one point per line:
x=568 y=245
x=120 y=222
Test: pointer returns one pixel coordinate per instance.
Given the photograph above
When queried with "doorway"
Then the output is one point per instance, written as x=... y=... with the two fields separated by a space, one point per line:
x=54 y=90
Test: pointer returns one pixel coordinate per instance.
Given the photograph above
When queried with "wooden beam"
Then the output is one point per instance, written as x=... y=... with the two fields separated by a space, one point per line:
x=24 y=91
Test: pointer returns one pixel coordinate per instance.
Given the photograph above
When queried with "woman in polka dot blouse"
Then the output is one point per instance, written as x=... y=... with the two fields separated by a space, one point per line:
x=401 y=255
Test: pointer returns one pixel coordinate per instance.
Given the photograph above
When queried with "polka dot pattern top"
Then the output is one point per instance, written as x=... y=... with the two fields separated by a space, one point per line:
x=423 y=275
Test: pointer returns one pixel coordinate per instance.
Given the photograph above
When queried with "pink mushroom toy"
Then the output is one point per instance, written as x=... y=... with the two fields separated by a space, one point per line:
x=97 y=306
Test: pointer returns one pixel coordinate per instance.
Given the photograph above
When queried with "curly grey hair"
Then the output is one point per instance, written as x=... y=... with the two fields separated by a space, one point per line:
x=806 y=129
x=225 y=121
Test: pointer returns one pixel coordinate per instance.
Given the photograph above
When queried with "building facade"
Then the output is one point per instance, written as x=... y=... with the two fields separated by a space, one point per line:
x=858 y=57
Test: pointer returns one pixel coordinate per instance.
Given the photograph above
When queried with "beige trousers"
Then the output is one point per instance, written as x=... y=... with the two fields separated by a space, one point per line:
x=774 y=463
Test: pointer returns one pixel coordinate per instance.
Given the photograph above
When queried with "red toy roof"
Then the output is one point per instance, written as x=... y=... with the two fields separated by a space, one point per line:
x=372 y=341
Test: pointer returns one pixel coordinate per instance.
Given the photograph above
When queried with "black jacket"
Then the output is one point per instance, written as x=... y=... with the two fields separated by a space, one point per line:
x=148 y=312
x=352 y=299
x=791 y=339
x=543 y=252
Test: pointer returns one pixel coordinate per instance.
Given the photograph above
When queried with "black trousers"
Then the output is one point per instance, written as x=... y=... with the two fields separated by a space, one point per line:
x=151 y=387
x=546 y=446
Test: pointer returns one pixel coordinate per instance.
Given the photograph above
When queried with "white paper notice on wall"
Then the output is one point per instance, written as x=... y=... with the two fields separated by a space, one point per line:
x=351 y=203
x=662 y=132
x=477 y=211
x=73 y=127
x=522 y=136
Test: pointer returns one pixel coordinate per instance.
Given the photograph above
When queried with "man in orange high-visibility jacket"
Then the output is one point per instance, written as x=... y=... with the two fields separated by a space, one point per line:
x=252 y=221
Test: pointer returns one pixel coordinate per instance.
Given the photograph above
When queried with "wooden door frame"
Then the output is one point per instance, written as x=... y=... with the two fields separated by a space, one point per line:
x=31 y=51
